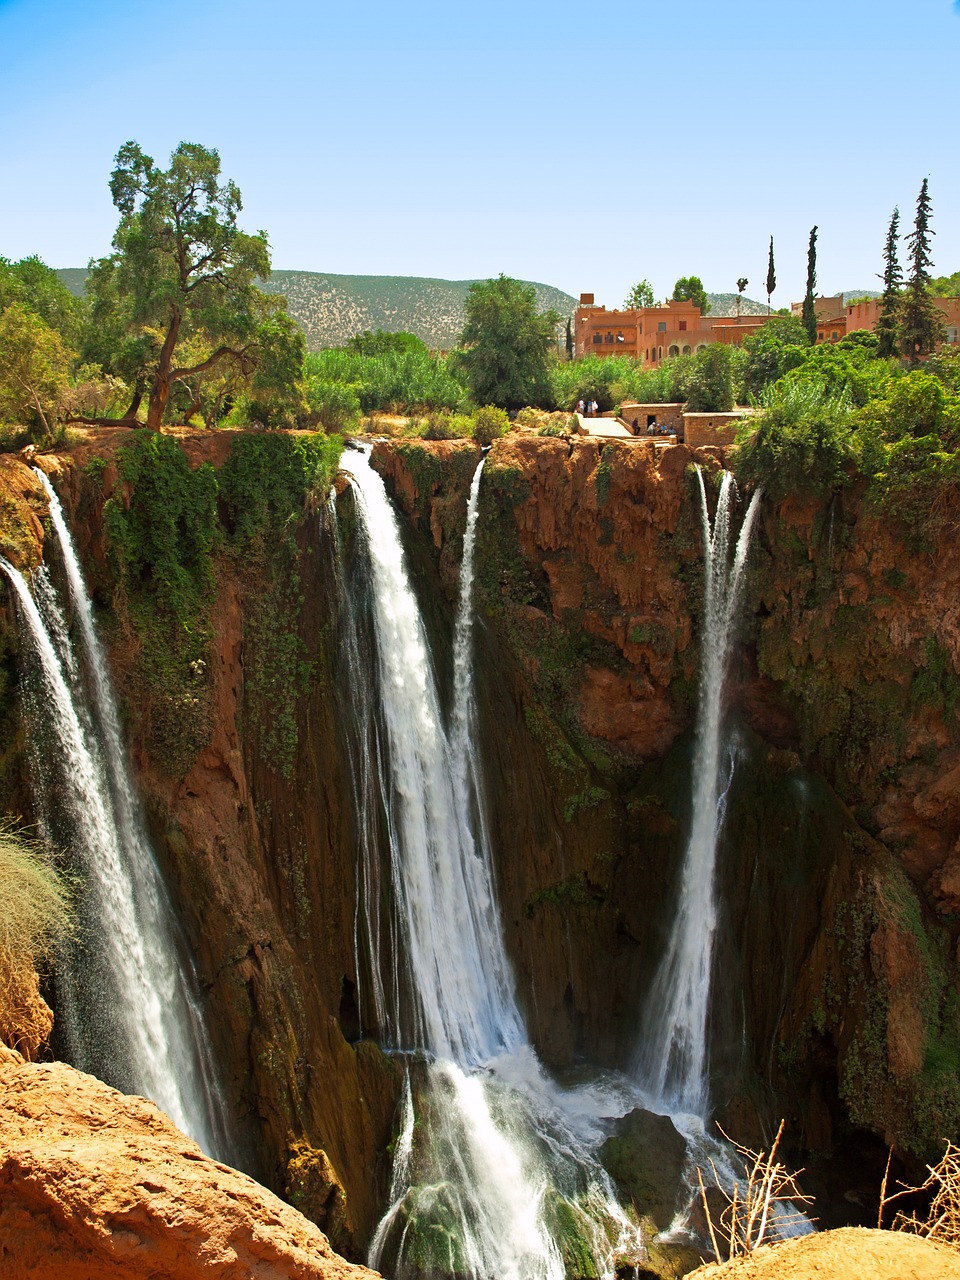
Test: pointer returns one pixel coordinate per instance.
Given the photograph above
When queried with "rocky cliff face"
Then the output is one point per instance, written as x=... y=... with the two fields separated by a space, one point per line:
x=838 y=948
x=838 y=944
x=254 y=832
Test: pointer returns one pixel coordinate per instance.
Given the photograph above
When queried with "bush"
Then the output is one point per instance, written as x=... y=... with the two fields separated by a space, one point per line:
x=444 y=425
x=35 y=903
x=802 y=441
x=710 y=384
x=336 y=404
x=489 y=424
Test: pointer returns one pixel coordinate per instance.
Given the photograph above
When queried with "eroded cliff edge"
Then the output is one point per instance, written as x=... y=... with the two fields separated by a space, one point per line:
x=839 y=938
x=837 y=998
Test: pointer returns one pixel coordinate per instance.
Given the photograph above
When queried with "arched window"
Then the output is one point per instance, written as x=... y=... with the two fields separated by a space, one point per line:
x=701 y=346
x=686 y=350
x=674 y=350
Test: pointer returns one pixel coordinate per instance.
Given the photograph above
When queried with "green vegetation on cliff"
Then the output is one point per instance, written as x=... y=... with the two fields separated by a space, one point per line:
x=164 y=533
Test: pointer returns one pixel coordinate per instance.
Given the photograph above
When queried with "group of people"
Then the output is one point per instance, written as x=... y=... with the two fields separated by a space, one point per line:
x=588 y=409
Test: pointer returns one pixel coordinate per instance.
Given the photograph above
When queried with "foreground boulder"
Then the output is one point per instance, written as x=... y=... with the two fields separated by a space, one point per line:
x=95 y=1185
x=852 y=1253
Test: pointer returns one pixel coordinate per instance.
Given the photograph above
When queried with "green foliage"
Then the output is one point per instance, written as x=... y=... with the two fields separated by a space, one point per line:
x=690 y=289
x=921 y=325
x=945 y=286
x=773 y=351
x=641 y=295
x=771 y=282
x=34 y=368
x=37 y=288
x=268 y=481
x=506 y=344
x=489 y=424
x=161 y=540
x=181 y=280
x=710 y=384
x=395 y=381
x=809 y=314
x=382 y=343
x=336 y=404
x=801 y=442
x=888 y=321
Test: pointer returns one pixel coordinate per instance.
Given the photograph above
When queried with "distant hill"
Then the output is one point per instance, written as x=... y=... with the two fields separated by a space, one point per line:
x=331 y=309
x=725 y=304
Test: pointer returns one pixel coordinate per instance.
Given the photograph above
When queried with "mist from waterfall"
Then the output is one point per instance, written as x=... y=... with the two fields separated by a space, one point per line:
x=127 y=1000
x=673 y=1058
x=498 y=1177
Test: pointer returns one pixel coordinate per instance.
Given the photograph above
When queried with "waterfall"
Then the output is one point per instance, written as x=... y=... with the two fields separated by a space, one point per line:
x=673 y=1057
x=127 y=999
x=499 y=1177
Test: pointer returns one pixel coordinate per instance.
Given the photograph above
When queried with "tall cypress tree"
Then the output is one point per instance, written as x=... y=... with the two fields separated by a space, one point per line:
x=569 y=340
x=771 y=276
x=920 y=325
x=809 y=314
x=888 y=321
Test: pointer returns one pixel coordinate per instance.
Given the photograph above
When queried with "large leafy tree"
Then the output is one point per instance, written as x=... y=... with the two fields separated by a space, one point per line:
x=921 y=327
x=641 y=295
x=33 y=285
x=181 y=279
x=34 y=368
x=690 y=289
x=506 y=344
x=809 y=313
x=888 y=321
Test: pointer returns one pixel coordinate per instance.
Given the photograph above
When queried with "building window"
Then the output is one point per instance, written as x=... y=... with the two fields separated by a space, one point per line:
x=682 y=326
x=834 y=336
x=701 y=347
x=952 y=332
x=608 y=338
x=686 y=351
x=674 y=350
x=597 y=339
x=620 y=337
x=661 y=326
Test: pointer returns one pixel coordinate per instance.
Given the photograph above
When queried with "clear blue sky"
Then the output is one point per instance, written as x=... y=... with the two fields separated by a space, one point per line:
x=584 y=145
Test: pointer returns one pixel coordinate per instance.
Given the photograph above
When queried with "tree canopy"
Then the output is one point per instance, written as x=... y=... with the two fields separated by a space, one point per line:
x=921 y=326
x=177 y=299
x=690 y=289
x=506 y=344
x=641 y=295
x=809 y=314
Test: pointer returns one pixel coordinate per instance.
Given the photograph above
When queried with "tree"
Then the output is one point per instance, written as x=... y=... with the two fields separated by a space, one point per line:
x=383 y=343
x=920 y=324
x=741 y=285
x=39 y=289
x=690 y=289
x=888 y=321
x=809 y=314
x=946 y=286
x=710 y=384
x=34 y=368
x=641 y=295
x=505 y=345
x=182 y=270
x=771 y=276
x=568 y=340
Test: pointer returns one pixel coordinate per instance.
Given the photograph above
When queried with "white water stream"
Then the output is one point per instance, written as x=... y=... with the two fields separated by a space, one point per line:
x=127 y=1001
x=499 y=1177
x=673 y=1062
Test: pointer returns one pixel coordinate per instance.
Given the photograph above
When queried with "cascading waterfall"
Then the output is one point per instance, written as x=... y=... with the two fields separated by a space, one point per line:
x=499 y=1178
x=673 y=1058
x=127 y=1000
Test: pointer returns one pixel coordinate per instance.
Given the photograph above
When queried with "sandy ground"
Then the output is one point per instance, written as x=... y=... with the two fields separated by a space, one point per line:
x=851 y=1253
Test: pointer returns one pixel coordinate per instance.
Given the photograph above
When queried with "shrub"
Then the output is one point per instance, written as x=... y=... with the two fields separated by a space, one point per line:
x=489 y=424
x=336 y=404
x=444 y=425
x=35 y=903
x=801 y=442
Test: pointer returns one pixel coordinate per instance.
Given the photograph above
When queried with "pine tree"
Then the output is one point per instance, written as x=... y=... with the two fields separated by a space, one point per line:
x=888 y=322
x=809 y=314
x=771 y=276
x=920 y=325
x=569 y=340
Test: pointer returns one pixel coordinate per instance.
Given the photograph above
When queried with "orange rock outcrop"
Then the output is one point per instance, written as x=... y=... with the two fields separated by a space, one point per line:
x=98 y=1186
